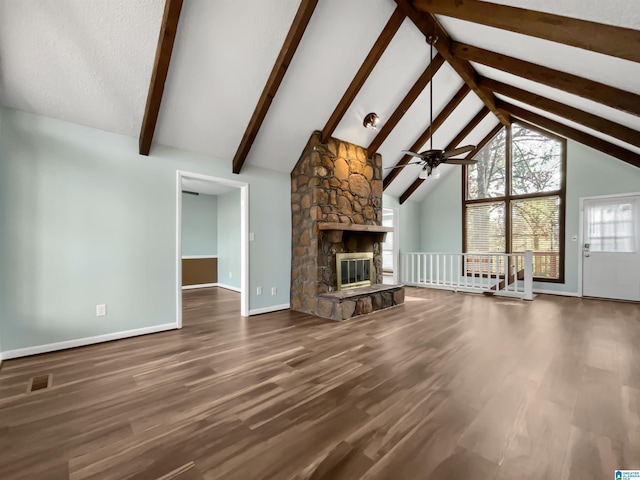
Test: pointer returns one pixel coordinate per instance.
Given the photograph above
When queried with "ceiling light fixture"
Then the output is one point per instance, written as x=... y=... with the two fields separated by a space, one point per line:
x=371 y=121
x=428 y=171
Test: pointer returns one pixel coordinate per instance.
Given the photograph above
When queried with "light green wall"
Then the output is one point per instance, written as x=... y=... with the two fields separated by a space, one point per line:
x=229 y=239
x=441 y=213
x=199 y=224
x=409 y=222
x=86 y=220
x=589 y=173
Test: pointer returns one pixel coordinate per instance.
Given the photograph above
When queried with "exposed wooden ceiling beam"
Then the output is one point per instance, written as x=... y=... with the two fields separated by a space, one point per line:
x=464 y=133
x=597 y=92
x=289 y=47
x=429 y=131
x=387 y=34
x=613 y=129
x=428 y=25
x=406 y=102
x=596 y=143
x=167 y=36
x=597 y=37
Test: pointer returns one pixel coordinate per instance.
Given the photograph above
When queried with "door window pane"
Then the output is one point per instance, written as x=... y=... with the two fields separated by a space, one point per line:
x=610 y=227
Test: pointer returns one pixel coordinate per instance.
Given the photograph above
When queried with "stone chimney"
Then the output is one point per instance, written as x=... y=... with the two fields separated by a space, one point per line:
x=336 y=207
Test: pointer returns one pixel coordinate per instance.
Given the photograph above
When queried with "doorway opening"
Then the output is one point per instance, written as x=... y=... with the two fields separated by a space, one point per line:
x=188 y=184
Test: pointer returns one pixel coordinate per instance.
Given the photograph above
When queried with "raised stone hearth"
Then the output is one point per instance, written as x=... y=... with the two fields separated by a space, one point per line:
x=359 y=301
x=336 y=207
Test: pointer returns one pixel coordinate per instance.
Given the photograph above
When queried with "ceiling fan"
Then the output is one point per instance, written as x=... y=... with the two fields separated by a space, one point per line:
x=430 y=159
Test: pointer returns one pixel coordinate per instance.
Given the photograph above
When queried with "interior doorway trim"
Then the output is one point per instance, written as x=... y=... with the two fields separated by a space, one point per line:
x=244 y=238
x=581 y=227
x=396 y=242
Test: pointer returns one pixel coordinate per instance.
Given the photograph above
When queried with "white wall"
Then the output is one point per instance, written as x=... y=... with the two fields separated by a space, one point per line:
x=86 y=220
x=589 y=173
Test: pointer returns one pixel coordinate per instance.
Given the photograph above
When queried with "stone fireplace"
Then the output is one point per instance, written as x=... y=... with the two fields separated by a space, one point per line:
x=336 y=208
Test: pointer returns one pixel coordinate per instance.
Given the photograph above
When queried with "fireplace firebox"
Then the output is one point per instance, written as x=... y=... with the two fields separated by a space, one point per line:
x=354 y=269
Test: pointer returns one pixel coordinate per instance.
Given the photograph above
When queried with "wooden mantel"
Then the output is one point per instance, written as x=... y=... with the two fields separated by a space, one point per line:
x=351 y=227
x=335 y=230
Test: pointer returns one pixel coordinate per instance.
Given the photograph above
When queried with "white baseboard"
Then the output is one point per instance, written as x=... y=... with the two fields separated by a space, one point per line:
x=229 y=287
x=200 y=285
x=556 y=292
x=81 y=342
x=274 y=308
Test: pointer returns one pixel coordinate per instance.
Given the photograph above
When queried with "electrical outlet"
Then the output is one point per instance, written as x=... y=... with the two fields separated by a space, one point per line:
x=101 y=310
x=230 y=274
x=274 y=290
x=259 y=291
x=252 y=237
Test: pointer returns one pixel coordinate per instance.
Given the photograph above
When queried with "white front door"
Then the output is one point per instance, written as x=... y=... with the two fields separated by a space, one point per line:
x=611 y=248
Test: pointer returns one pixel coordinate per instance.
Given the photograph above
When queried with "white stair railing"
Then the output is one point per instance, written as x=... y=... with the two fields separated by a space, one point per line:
x=506 y=274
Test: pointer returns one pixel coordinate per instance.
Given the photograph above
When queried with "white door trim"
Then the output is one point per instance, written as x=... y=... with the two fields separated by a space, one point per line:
x=244 y=238
x=581 y=227
x=396 y=243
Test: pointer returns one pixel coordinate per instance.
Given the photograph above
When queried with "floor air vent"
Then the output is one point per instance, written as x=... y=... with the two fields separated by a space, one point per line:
x=39 y=383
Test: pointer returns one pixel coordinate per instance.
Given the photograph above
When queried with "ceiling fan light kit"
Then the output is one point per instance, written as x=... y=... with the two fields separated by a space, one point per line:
x=425 y=172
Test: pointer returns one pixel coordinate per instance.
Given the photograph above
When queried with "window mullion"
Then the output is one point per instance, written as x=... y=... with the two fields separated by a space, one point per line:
x=524 y=196
x=507 y=208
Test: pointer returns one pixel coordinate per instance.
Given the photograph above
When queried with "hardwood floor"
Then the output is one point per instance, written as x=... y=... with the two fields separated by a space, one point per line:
x=448 y=385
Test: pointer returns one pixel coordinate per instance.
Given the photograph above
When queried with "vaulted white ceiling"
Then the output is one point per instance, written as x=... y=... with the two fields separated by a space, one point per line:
x=90 y=61
x=84 y=61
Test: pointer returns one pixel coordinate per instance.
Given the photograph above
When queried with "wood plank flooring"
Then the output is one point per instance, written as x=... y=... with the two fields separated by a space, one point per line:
x=448 y=385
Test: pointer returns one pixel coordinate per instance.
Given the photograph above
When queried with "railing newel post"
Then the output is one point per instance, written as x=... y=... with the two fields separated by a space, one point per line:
x=528 y=275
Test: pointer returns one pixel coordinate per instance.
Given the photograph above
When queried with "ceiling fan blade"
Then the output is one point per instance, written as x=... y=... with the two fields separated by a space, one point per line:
x=459 y=151
x=413 y=154
x=402 y=166
x=459 y=161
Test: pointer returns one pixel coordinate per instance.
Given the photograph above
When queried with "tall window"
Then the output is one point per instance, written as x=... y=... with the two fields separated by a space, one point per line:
x=514 y=198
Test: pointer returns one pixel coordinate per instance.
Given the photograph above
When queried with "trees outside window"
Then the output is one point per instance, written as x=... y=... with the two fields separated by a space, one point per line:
x=514 y=198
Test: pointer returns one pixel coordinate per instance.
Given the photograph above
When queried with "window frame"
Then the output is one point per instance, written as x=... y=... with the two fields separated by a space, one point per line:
x=509 y=197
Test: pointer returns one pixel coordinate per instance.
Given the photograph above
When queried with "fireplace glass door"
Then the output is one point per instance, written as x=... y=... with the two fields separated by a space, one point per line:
x=354 y=269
